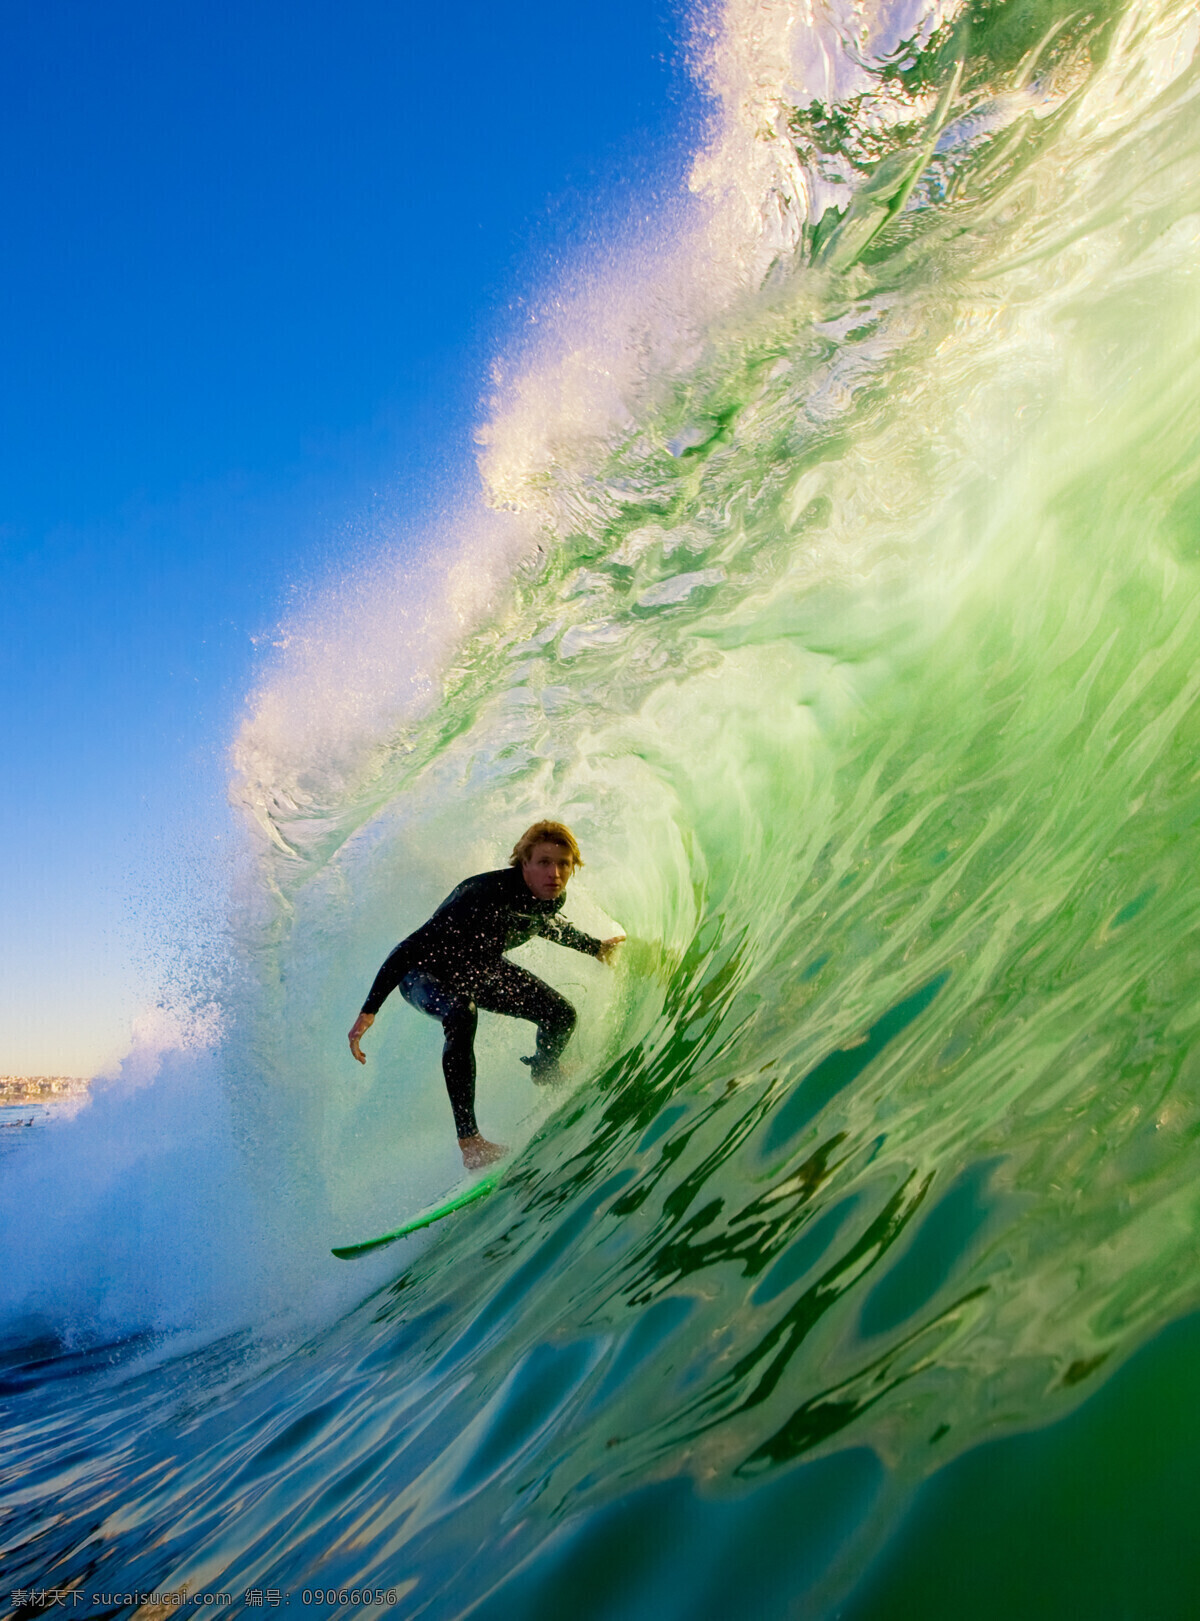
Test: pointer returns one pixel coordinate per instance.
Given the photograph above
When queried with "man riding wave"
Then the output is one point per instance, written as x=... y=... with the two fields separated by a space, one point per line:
x=454 y=964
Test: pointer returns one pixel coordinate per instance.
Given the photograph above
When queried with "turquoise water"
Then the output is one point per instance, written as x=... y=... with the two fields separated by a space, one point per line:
x=839 y=587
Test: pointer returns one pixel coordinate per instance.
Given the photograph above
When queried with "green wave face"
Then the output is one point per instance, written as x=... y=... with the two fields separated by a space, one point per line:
x=860 y=650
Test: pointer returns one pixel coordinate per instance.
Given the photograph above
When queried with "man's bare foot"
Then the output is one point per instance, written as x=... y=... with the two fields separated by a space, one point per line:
x=478 y=1152
x=544 y=1071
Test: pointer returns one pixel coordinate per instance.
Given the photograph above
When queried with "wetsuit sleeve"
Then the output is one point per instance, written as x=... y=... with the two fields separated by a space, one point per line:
x=388 y=977
x=566 y=934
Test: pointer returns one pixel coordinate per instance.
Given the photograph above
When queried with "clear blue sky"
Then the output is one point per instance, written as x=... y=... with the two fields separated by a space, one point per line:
x=255 y=259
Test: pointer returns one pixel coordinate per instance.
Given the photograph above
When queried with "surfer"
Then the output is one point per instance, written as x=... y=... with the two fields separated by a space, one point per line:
x=454 y=964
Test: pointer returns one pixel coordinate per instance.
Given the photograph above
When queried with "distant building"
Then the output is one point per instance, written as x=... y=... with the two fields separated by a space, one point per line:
x=21 y=1089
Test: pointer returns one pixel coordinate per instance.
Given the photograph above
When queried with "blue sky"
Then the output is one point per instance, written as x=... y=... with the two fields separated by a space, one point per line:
x=255 y=261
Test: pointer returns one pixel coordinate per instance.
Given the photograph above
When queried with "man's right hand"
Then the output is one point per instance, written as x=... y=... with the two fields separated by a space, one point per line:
x=361 y=1025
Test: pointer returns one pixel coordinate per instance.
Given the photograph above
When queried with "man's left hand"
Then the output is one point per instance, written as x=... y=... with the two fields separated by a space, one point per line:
x=608 y=948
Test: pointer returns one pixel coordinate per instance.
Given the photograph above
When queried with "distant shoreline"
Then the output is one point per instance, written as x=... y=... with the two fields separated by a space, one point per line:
x=22 y=1089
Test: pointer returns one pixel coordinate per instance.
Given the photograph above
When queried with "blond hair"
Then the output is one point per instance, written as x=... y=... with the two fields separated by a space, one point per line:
x=545 y=833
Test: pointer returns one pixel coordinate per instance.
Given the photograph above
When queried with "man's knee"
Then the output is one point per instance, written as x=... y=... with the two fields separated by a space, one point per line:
x=461 y=1017
x=561 y=1016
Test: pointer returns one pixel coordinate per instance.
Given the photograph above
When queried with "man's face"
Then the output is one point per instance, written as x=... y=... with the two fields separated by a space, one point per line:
x=548 y=870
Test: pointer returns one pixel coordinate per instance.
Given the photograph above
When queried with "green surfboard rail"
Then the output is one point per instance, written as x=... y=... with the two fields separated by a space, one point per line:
x=477 y=1190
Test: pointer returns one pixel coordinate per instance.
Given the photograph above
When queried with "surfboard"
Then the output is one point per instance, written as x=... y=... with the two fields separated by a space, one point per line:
x=458 y=1201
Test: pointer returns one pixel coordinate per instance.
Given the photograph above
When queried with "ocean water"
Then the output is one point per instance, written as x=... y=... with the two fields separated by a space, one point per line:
x=838 y=580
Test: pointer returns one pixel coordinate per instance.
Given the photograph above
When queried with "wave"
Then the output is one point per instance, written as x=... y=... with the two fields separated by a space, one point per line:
x=837 y=582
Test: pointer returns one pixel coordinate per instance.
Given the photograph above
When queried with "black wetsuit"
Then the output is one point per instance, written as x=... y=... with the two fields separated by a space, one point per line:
x=454 y=965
